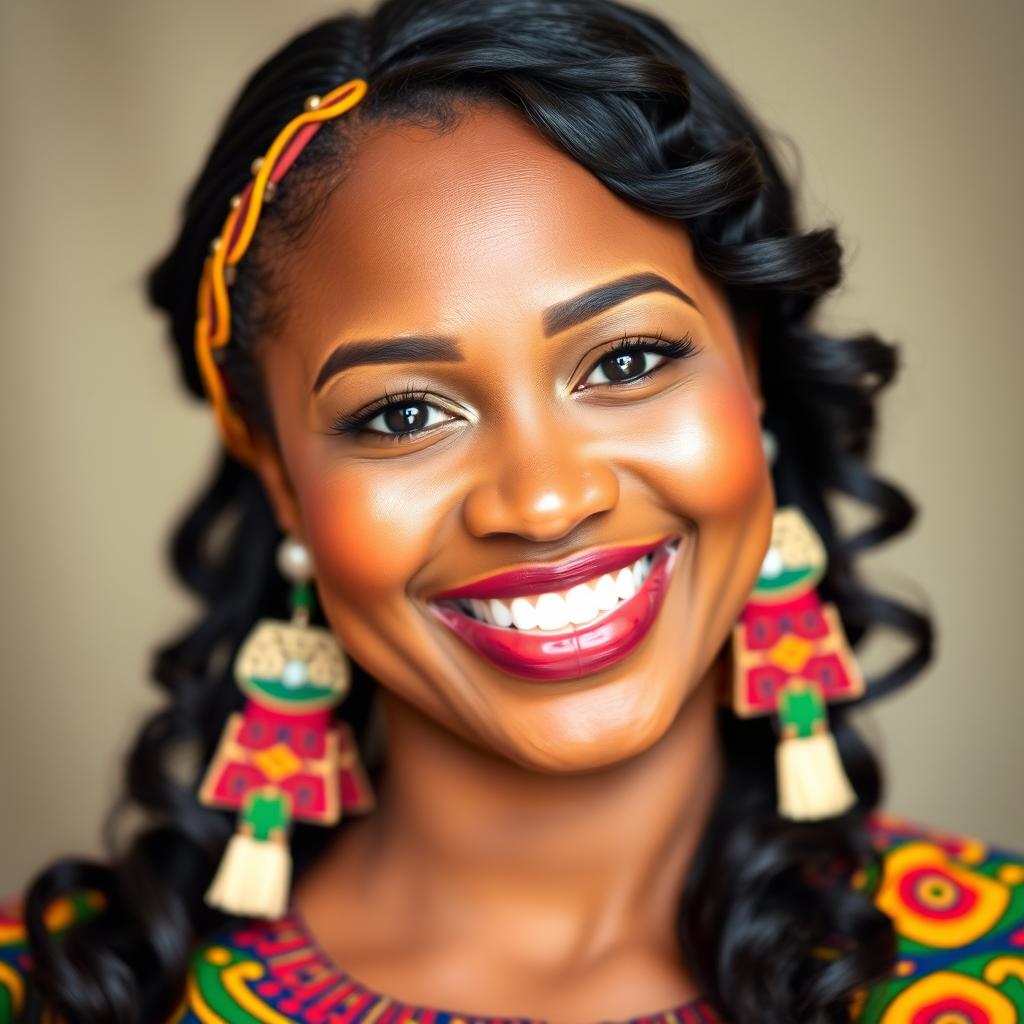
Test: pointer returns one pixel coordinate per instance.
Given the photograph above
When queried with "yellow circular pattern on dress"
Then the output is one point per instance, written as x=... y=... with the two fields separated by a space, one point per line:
x=946 y=997
x=935 y=901
x=218 y=956
x=937 y=892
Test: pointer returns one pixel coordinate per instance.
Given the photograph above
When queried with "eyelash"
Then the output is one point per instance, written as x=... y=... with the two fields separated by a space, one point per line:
x=670 y=348
x=355 y=423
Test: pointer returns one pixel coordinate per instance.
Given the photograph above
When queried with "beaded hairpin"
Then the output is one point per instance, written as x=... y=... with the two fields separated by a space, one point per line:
x=213 y=322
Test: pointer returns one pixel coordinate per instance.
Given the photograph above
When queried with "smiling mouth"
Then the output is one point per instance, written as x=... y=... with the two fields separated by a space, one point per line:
x=568 y=633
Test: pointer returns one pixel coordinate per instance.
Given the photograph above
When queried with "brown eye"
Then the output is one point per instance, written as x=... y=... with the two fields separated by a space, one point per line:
x=402 y=418
x=624 y=365
x=397 y=417
x=405 y=418
x=634 y=359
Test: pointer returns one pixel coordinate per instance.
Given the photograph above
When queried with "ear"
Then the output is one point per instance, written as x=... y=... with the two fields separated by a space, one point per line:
x=749 y=335
x=269 y=466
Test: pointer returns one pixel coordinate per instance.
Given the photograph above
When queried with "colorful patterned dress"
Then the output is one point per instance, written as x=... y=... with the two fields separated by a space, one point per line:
x=957 y=903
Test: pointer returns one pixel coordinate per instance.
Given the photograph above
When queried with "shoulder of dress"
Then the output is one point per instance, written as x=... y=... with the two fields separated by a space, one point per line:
x=15 y=960
x=957 y=904
x=249 y=945
x=260 y=970
x=254 y=970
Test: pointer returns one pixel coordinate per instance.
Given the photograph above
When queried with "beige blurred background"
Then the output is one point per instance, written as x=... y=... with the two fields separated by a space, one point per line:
x=906 y=117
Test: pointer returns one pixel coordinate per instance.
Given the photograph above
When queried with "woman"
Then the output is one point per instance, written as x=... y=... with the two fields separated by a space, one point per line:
x=515 y=304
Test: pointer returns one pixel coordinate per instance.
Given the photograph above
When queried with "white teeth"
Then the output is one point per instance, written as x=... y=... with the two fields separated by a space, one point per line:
x=625 y=585
x=481 y=611
x=642 y=569
x=524 y=615
x=639 y=573
x=552 y=612
x=579 y=605
x=581 y=602
x=607 y=599
x=500 y=613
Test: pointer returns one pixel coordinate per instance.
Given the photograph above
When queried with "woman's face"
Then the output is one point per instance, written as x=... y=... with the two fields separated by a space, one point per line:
x=455 y=400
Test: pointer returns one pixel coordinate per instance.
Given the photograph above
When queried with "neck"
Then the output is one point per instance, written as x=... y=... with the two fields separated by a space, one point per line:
x=599 y=859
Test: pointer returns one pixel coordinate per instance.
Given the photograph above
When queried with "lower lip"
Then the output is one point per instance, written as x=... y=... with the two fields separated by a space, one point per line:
x=559 y=656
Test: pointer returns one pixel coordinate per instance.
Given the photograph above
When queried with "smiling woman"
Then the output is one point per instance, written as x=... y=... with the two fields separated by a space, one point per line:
x=591 y=412
x=508 y=338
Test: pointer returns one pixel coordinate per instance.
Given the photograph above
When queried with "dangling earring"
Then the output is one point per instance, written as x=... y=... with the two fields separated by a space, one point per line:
x=791 y=657
x=281 y=759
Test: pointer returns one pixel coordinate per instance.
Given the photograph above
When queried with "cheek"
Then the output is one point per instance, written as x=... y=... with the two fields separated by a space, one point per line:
x=369 y=530
x=368 y=523
x=705 y=452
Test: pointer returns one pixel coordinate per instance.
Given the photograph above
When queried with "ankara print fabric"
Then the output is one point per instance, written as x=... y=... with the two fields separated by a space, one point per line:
x=273 y=973
x=958 y=907
x=957 y=904
x=269 y=972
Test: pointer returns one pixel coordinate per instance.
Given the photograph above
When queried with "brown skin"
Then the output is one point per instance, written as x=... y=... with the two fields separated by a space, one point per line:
x=531 y=840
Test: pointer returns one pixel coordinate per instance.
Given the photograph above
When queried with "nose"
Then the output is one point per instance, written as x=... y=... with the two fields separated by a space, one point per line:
x=540 y=490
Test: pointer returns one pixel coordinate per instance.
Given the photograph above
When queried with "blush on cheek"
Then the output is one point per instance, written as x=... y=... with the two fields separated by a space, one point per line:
x=366 y=536
x=717 y=460
x=371 y=529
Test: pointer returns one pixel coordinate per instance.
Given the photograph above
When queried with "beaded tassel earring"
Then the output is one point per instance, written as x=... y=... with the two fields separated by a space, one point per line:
x=791 y=657
x=282 y=759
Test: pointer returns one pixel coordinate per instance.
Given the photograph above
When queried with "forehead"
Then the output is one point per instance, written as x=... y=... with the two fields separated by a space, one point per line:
x=437 y=226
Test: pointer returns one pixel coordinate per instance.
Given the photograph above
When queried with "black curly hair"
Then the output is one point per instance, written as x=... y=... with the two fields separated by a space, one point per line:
x=647 y=115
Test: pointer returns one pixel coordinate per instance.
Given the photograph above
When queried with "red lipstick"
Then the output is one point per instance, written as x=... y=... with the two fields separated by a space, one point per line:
x=542 y=579
x=579 y=650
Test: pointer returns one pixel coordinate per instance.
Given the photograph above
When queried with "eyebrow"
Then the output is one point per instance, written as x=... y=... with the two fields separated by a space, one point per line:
x=445 y=349
x=420 y=349
x=564 y=315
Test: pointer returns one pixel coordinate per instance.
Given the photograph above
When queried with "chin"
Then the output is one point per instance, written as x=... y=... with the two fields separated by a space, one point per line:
x=591 y=728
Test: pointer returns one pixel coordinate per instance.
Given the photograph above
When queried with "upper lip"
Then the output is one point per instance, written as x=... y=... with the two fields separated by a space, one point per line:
x=540 y=579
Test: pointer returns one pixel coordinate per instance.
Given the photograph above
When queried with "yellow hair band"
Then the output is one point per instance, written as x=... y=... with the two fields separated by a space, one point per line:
x=213 y=321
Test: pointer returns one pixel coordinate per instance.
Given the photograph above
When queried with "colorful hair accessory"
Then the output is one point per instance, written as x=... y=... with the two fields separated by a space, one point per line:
x=213 y=323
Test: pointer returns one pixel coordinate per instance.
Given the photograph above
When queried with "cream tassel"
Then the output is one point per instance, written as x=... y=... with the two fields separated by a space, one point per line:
x=253 y=878
x=811 y=781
